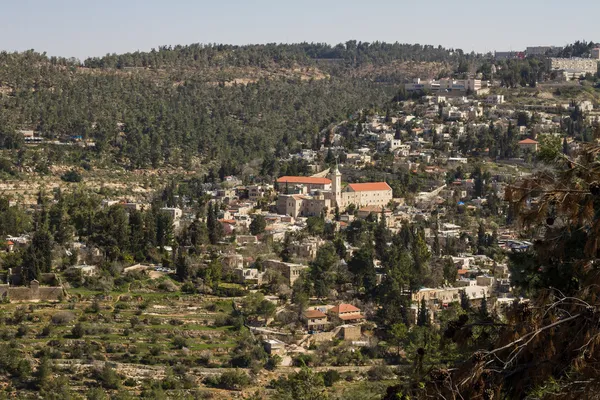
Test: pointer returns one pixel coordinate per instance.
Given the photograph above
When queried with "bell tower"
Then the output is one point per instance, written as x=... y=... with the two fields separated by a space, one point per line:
x=336 y=185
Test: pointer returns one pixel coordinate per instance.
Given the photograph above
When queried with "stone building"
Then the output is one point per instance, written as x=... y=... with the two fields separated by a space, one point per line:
x=34 y=292
x=289 y=270
x=321 y=194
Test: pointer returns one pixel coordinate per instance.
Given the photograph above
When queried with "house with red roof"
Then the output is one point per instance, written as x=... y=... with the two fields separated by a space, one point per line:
x=528 y=144
x=346 y=313
x=315 y=319
x=367 y=194
x=311 y=182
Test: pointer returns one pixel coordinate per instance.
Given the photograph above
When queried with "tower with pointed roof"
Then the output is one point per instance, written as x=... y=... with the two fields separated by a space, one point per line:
x=336 y=185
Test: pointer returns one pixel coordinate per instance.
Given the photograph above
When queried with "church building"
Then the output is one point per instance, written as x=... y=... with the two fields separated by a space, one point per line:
x=309 y=196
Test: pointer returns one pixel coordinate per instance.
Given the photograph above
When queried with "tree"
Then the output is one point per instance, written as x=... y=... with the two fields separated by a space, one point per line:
x=465 y=302
x=483 y=308
x=423 y=317
x=258 y=224
x=37 y=258
x=382 y=236
x=164 y=230
x=255 y=305
x=363 y=269
x=286 y=251
x=215 y=229
x=71 y=176
x=321 y=269
x=108 y=377
x=183 y=267
x=315 y=225
x=398 y=335
x=233 y=380
x=450 y=271
x=302 y=385
x=78 y=331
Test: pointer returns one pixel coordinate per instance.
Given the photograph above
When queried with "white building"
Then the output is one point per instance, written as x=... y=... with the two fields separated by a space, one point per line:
x=444 y=85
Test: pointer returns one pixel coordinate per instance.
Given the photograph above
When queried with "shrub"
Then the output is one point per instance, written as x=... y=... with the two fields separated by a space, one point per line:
x=380 y=373
x=130 y=382
x=46 y=331
x=231 y=380
x=22 y=331
x=330 y=377
x=108 y=377
x=78 y=331
x=273 y=362
x=155 y=351
x=94 y=307
x=71 y=176
x=168 y=286
x=188 y=288
x=180 y=342
x=303 y=360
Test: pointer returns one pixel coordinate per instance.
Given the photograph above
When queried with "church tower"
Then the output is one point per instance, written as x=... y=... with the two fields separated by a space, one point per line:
x=336 y=186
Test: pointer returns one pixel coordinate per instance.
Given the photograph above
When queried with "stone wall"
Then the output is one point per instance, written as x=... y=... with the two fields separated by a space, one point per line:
x=32 y=293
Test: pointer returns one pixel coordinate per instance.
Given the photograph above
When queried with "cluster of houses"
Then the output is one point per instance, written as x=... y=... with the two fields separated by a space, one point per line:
x=423 y=137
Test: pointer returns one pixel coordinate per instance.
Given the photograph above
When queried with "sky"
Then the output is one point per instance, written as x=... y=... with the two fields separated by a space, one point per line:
x=85 y=28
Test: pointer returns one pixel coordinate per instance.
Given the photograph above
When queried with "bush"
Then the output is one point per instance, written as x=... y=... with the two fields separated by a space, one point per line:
x=94 y=308
x=380 y=373
x=155 y=351
x=180 y=342
x=330 y=377
x=231 y=380
x=273 y=362
x=130 y=382
x=188 y=288
x=71 y=176
x=108 y=377
x=46 y=331
x=22 y=331
x=303 y=360
x=168 y=286
x=78 y=331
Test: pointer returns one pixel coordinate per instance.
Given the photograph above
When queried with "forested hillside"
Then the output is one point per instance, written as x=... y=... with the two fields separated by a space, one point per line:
x=213 y=55
x=202 y=102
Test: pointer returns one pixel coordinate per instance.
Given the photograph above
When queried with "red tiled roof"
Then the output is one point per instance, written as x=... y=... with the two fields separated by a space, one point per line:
x=314 y=314
x=463 y=271
x=344 y=308
x=307 y=180
x=528 y=141
x=363 y=187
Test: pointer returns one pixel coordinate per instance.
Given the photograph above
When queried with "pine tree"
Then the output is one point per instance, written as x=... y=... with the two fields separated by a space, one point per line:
x=483 y=308
x=258 y=224
x=286 y=252
x=183 y=267
x=382 y=236
x=215 y=229
x=450 y=271
x=465 y=302
x=423 y=317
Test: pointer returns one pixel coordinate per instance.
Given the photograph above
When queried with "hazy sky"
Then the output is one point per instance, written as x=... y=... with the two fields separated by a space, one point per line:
x=82 y=28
